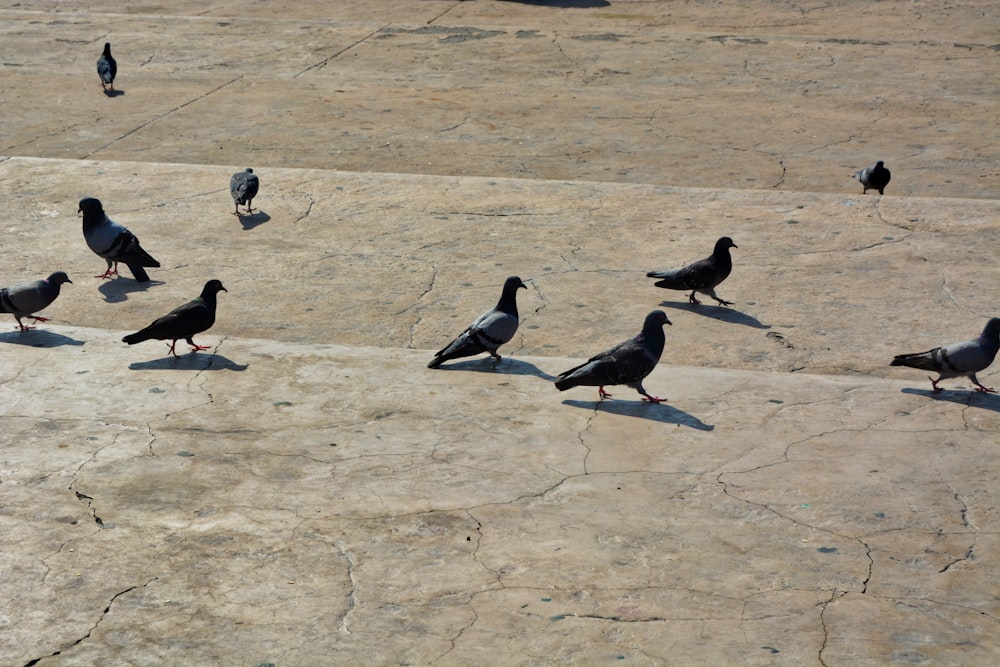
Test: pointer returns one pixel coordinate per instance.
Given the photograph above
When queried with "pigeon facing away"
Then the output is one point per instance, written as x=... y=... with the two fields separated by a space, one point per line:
x=490 y=330
x=702 y=276
x=874 y=178
x=627 y=363
x=107 y=68
x=958 y=359
x=243 y=186
x=113 y=242
x=184 y=321
x=25 y=299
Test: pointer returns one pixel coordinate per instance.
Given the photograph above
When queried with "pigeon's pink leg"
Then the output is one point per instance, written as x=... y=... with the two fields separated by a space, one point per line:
x=38 y=319
x=23 y=327
x=198 y=348
x=937 y=389
x=602 y=393
x=651 y=399
x=112 y=271
x=980 y=387
x=171 y=345
x=692 y=299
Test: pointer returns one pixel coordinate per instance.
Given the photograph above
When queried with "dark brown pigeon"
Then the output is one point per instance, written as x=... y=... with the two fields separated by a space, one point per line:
x=627 y=363
x=702 y=276
x=184 y=321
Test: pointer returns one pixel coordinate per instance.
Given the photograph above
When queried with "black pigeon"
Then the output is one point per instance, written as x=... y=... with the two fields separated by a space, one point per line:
x=184 y=321
x=874 y=178
x=490 y=330
x=963 y=359
x=107 y=68
x=627 y=363
x=243 y=186
x=113 y=242
x=25 y=299
x=702 y=276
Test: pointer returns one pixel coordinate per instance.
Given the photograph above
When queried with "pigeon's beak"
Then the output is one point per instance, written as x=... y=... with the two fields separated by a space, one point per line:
x=69 y=281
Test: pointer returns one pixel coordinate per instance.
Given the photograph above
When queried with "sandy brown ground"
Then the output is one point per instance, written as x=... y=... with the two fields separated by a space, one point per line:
x=307 y=492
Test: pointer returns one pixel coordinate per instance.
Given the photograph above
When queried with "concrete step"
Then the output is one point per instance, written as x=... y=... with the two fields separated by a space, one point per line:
x=292 y=503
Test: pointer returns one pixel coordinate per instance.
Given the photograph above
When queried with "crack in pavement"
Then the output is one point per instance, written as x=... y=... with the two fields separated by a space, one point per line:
x=324 y=61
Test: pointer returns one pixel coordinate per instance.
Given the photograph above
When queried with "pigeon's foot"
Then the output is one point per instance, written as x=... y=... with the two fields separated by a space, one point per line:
x=693 y=300
x=23 y=327
x=985 y=390
x=170 y=346
x=39 y=318
x=723 y=302
x=652 y=399
x=602 y=393
x=934 y=383
x=199 y=348
x=110 y=273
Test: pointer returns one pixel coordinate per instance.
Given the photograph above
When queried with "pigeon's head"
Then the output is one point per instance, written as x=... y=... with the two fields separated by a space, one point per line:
x=725 y=243
x=655 y=320
x=248 y=170
x=513 y=284
x=879 y=164
x=992 y=329
x=90 y=207
x=58 y=278
x=214 y=286
x=107 y=48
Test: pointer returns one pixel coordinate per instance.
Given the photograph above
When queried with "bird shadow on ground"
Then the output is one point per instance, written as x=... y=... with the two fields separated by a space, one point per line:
x=189 y=362
x=116 y=291
x=38 y=338
x=114 y=93
x=718 y=313
x=658 y=412
x=253 y=220
x=508 y=366
x=971 y=398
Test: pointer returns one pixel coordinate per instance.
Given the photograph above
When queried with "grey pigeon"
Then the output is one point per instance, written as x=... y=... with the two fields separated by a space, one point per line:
x=113 y=242
x=25 y=299
x=702 y=276
x=243 y=186
x=184 y=321
x=627 y=363
x=874 y=178
x=963 y=359
x=490 y=330
x=107 y=68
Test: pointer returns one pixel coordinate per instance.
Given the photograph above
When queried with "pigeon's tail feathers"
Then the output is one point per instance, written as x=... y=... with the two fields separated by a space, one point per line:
x=926 y=361
x=140 y=273
x=138 y=336
x=669 y=279
x=5 y=303
x=465 y=345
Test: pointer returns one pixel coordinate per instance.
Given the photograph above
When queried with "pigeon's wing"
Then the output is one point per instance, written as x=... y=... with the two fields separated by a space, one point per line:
x=950 y=360
x=702 y=274
x=181 y=322
x=243 y=186
x=606 y=368
x=494 y=328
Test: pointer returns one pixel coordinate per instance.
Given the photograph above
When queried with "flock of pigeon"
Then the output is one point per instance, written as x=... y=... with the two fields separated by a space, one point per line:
x=627 y=363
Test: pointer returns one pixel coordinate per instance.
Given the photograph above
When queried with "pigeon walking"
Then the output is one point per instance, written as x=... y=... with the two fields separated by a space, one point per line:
x=958 y=359
x=627 y=363
x=702 y=276
x=243 y=186
x=25 y=299
x=113 y=242
x=184 y=321
x=874 y=178
x=490 y=330
x=107 y=68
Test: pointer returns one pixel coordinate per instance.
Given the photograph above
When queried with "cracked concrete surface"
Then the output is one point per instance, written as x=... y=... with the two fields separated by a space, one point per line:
x=307 y=492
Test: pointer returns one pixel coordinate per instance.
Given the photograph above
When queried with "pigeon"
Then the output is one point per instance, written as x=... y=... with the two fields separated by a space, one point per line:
x=874 y=178
x=490 y=330
x=627 y=363
x=184 y=321
x=107 y=68
x=243 y=187
x=25 y=298
x=113 y=242
x=958 y=359
x=702 y=276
